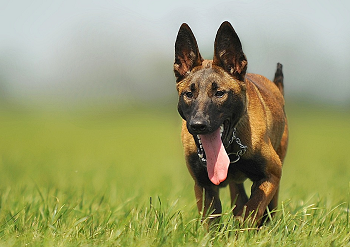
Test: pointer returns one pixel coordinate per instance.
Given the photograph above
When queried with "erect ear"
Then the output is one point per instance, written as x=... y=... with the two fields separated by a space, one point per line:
x=228 y=52
x=187 y=54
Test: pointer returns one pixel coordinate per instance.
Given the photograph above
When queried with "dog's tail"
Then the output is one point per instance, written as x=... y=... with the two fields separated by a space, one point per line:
x=278 y=80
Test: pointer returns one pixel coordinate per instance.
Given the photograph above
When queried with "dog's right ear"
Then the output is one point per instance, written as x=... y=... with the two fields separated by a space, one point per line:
x=187 y=54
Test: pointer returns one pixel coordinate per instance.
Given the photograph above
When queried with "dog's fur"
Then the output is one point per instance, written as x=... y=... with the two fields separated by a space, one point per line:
x=219 y=92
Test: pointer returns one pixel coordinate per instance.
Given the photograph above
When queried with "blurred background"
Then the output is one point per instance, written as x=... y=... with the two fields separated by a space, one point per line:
x=65 y=53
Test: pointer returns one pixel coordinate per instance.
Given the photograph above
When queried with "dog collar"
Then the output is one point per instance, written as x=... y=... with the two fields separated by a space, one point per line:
x=242 y=147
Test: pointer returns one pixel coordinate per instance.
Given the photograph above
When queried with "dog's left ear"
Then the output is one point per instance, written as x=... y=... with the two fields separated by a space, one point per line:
x=187 y=54
x=228 y=52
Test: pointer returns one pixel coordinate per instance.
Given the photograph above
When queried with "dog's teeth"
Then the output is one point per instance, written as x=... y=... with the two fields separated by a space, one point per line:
x=222 y=128
x=200 y=156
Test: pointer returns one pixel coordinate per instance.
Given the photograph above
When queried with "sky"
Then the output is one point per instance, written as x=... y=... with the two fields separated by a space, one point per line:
x=119 y=50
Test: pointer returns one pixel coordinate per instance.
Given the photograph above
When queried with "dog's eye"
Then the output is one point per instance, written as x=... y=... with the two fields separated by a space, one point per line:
x=219 y=94
x=189 y=94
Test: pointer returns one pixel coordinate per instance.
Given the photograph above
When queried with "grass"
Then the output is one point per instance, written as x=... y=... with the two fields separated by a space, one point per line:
x=114 y=177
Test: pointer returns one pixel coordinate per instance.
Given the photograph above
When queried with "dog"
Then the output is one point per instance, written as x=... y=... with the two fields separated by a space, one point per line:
x=234 y=125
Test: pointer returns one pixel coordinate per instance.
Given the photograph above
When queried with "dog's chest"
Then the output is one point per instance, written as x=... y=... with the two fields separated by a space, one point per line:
x=237 y=176
x=254 y=169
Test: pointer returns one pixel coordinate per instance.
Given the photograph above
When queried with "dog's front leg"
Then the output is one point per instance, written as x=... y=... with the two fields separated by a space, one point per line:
x=263 y=191
x=212 y=205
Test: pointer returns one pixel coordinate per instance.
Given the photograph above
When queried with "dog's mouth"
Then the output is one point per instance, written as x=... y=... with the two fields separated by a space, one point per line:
x=200 y=149
x=211 y=151
x=224 y=135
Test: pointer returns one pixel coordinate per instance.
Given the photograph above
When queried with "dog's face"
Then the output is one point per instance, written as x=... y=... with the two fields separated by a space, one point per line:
x=209 y=99
x=211 y=93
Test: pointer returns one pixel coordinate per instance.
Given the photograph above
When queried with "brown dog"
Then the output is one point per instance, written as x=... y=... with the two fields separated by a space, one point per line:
x=234 y=124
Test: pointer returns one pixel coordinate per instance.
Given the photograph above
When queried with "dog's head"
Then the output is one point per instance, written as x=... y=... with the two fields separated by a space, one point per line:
x=211 y=92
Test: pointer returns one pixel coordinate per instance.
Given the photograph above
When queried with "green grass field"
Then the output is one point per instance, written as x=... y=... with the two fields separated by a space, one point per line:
x=118 y=178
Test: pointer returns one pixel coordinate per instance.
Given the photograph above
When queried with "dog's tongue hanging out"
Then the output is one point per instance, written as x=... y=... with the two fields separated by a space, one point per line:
x=217 y=158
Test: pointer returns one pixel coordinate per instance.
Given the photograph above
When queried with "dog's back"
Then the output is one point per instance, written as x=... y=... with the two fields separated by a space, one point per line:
x=262 y=91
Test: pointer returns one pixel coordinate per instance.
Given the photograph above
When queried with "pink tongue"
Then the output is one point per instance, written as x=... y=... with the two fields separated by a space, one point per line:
x=217 y=158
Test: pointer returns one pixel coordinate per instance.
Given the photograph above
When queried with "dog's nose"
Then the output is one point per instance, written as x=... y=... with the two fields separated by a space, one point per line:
x=198 y=126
